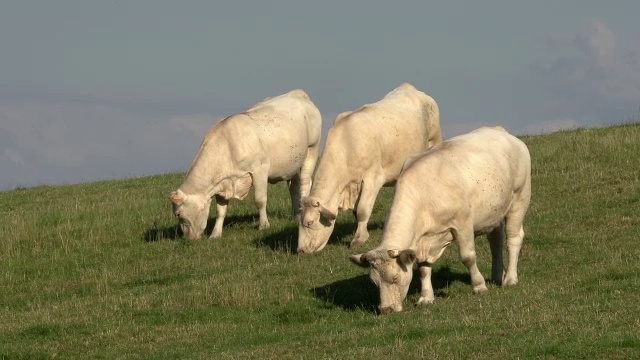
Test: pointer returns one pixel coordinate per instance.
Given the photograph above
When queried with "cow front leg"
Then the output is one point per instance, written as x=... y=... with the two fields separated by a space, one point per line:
x=496 y=240
x=426 y=294
x=514 y=244
x=306 y=172
x=435 y=248
x=260 y=185
x=515 y=235
x=466 y=243
x=364 y=208
x=221 y=212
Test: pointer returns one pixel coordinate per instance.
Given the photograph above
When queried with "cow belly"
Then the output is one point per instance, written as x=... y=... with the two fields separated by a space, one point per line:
x=485 y=228
x=489 y=216
x=280 y=171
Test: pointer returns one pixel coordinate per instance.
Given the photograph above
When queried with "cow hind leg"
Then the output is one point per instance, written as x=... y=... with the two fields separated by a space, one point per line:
x=515 y=236
x=496 y=240
x=466 y=244
x=294 y=192
x=221 y=212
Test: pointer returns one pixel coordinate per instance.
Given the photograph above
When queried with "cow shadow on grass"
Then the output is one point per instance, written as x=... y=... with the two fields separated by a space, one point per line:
x=156 y=233
x=173 y=232
x=359 y=293
x=287 y=239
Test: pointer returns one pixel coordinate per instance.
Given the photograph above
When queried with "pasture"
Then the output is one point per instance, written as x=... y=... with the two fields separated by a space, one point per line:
x=98 y=270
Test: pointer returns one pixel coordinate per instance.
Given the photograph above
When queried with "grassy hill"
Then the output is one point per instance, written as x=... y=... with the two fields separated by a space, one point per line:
x=98 y=271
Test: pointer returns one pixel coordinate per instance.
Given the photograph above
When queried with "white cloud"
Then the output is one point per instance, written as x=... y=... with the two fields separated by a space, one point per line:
x=590 y=77
x=11 y=155
x=65 y=141
x=53 y=141
x=595 y=71
x=63 y=133
x=603 y=42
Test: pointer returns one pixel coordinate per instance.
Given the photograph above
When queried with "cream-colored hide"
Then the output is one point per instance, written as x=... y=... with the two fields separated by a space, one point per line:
x=473 y=184
x=275 y=140
x=365 y=150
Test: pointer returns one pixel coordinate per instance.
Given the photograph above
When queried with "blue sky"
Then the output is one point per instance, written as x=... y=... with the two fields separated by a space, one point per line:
x=100 y=90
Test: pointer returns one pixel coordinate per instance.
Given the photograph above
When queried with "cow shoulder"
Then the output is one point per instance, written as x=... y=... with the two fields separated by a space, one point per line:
x=349 y=196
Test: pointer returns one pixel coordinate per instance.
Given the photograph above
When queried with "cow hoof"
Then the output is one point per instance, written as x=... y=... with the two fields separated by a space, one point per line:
x=356 y=243
x=509 y=281
x=480 y=289
x=424 y=300
x=263 y=226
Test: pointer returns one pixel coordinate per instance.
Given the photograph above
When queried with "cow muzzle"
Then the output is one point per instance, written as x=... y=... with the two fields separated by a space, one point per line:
x=191 y=235
x=305 y=250
x=308 y=249
x=387 y=310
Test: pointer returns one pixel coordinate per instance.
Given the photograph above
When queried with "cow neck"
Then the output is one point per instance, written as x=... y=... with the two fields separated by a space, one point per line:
x=329 y=182
x=195 y=183
x=327 y=191
x=203 y=176
x=402 y=225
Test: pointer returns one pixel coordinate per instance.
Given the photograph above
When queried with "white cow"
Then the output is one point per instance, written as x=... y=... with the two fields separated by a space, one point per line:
x=473 y=184
x=365 y=150
x=276 y=139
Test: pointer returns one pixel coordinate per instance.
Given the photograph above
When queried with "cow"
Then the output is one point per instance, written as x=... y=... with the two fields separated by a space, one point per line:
x=275 y=140
x=365 y=150
x=472 y=184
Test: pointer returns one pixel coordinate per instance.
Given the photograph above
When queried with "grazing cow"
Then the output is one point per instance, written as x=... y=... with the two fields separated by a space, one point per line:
x=473 y=184
x=365 y=150
x=275 y=140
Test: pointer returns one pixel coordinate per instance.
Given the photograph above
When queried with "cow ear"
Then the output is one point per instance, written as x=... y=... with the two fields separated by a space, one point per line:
x=312 y=202
x=177 y=197
x=308 y=202
x=393 y=253
x=407 y=257
x=327 y=214
x=362 y=260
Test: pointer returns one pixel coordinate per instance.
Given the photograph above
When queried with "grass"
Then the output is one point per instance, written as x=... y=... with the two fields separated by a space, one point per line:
x=99 y=270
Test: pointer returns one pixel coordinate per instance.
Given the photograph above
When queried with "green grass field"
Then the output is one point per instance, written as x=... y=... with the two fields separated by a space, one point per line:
x=98 y=270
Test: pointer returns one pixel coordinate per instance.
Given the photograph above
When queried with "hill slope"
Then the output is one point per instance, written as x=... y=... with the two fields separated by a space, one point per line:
x=98 y=271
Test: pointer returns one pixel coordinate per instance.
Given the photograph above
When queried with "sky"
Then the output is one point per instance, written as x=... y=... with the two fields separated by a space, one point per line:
x=98 y=90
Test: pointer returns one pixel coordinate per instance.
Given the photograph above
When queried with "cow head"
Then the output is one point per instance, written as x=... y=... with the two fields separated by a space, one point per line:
x=192 y=211
x=315 y=227
x=391 y=271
